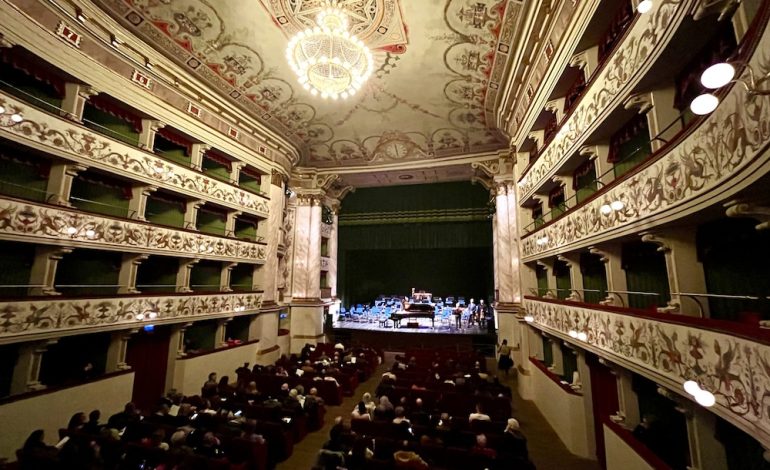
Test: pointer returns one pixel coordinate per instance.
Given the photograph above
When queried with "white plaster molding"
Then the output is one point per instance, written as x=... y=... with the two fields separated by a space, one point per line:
x=69 y=140
x=640 y=48
x=30 y=222
x=38 y=318
x=722 y=156
x=734 y=368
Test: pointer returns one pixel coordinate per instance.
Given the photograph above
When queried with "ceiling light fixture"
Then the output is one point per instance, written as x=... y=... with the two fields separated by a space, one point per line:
x=529 y=318
x=16 y=117
x=644 y=6
x=582 y=336
x=328 y=60
x=691 y=387
x=573 y=334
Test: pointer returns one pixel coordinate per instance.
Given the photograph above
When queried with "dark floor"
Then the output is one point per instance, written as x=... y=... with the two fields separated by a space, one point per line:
x=545 y=448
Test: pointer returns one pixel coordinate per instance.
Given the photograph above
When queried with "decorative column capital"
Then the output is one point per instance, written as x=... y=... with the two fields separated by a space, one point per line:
x=603 y=255
x=649 y=237
x=579 y=60
x=87 y=92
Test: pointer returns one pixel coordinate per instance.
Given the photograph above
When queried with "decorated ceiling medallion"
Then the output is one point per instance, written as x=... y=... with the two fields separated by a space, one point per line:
x=328 y=60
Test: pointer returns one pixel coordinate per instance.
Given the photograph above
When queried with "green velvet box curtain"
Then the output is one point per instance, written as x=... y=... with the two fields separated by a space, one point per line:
x=90 y=269
x=547 y=352
x=23 y=176
x=569 y=362
x=162 y=212
x=241 y=277
x=735 y=257
x=17 y=265
x=103 y=122
x=91 y=193
x=453 y=195
x=205 y=276
x=563 y=281
x=157 y=274
x=645 y=269
x=542 y=280
x=594 y=278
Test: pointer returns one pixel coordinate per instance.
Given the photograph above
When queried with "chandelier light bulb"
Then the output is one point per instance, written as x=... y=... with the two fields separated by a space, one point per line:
x=573 y=334
x=705 y=398
x=529 y=318
x=606 y=209
x=582 y=336
x=718 y=75
x=644 y=6
x=71 y=230
x=617 y=205
x=327 y=59
x=692 y=387
x=704 y=104
x=90 y=233
x=16 y=117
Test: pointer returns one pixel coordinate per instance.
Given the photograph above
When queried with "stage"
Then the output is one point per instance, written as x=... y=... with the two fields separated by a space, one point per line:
x=395 y=339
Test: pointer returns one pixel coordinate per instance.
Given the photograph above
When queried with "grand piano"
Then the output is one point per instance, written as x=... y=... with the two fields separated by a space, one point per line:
x=420 y=306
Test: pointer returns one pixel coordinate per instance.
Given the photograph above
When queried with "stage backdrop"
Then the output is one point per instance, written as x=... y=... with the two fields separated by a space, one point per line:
x=436 y=237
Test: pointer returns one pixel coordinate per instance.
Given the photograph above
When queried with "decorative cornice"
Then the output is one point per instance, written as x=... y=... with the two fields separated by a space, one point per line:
x=38 y=223
x=639 y=49
x=69 y=140
x=723 y=154
x=55 y=317
x=735 y=369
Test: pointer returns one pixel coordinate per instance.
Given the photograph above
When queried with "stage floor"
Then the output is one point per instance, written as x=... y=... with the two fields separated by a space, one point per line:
x=424 y=327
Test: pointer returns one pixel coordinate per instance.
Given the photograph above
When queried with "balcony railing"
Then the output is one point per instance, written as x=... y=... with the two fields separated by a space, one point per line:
x=44 y=317
x=51 y=224
x=78 y=143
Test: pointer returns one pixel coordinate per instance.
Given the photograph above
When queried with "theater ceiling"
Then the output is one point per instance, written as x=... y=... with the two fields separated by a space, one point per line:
x=439 y=65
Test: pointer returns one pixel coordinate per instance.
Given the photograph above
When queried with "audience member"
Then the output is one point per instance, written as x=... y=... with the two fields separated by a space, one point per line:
x=481 y=447
x=479 y=414
x=360 y=412
x=93 y=426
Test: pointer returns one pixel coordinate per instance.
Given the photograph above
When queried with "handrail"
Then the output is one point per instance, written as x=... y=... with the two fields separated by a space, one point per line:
x=45 y=106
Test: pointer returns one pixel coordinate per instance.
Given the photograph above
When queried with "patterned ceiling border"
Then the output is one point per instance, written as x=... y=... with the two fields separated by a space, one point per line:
x=734 y=369
x=640 y=48
x=37 y=223
x=74 y=142
x=721 y=155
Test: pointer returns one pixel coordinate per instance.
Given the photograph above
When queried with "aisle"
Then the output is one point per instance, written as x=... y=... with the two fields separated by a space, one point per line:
x=306 y=452
x=545 y=448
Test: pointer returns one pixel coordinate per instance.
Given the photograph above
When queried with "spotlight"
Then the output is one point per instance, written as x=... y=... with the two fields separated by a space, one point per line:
x=718 y=75
x=704 y=104
x=644 y=6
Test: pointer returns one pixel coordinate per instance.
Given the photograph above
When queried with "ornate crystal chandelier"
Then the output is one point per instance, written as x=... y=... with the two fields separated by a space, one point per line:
x=328 y=60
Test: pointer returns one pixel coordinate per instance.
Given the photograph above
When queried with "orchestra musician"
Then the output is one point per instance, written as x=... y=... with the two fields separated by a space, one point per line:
x=472 y=313
x=458 y=313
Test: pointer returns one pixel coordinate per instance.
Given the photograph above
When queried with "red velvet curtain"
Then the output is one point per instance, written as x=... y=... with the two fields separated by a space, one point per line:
x=604 y=396
x=219 y=158
x=176 y=138
x=556 y=196
x=34 y=67
x=620 y=23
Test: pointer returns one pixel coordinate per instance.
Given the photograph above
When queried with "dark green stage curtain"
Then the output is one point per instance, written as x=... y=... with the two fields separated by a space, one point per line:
x=735 y=257
x=569 y=359
x=563 y=281
x=416 y=236
x=594 y=278
x=645 y=269
x=547 y=352
x=415 y=197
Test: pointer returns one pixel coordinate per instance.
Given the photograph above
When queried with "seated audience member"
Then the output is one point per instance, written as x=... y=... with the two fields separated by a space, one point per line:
x=369 y=403
x=313 y=399
x=400 y=416
x=307 y=367
x=209 y=447
x=183 y=416
x=129 y=415
x=36 y=454
x=360 y=454
x=249 y=432
x=224 y=389
x=156 y=440
x=418 y=415
x=514 y=443
x=481 y=447
x=384 y=410
x=337 y=433
x=339 y=347
x=93 y=426
x=77 y=422
x=360 y=412
x=209 y=388
x=178 y=445
x=281 y=372
x=409 y=460
x=478 y=414
x=292 y=401
x=251 y=394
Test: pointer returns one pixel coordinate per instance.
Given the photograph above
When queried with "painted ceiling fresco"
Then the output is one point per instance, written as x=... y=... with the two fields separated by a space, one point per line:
x=438 y=66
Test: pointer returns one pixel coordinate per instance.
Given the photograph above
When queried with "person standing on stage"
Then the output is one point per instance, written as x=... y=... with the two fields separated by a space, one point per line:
x=458 y=313
x=481 y=314
x=472 y=311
